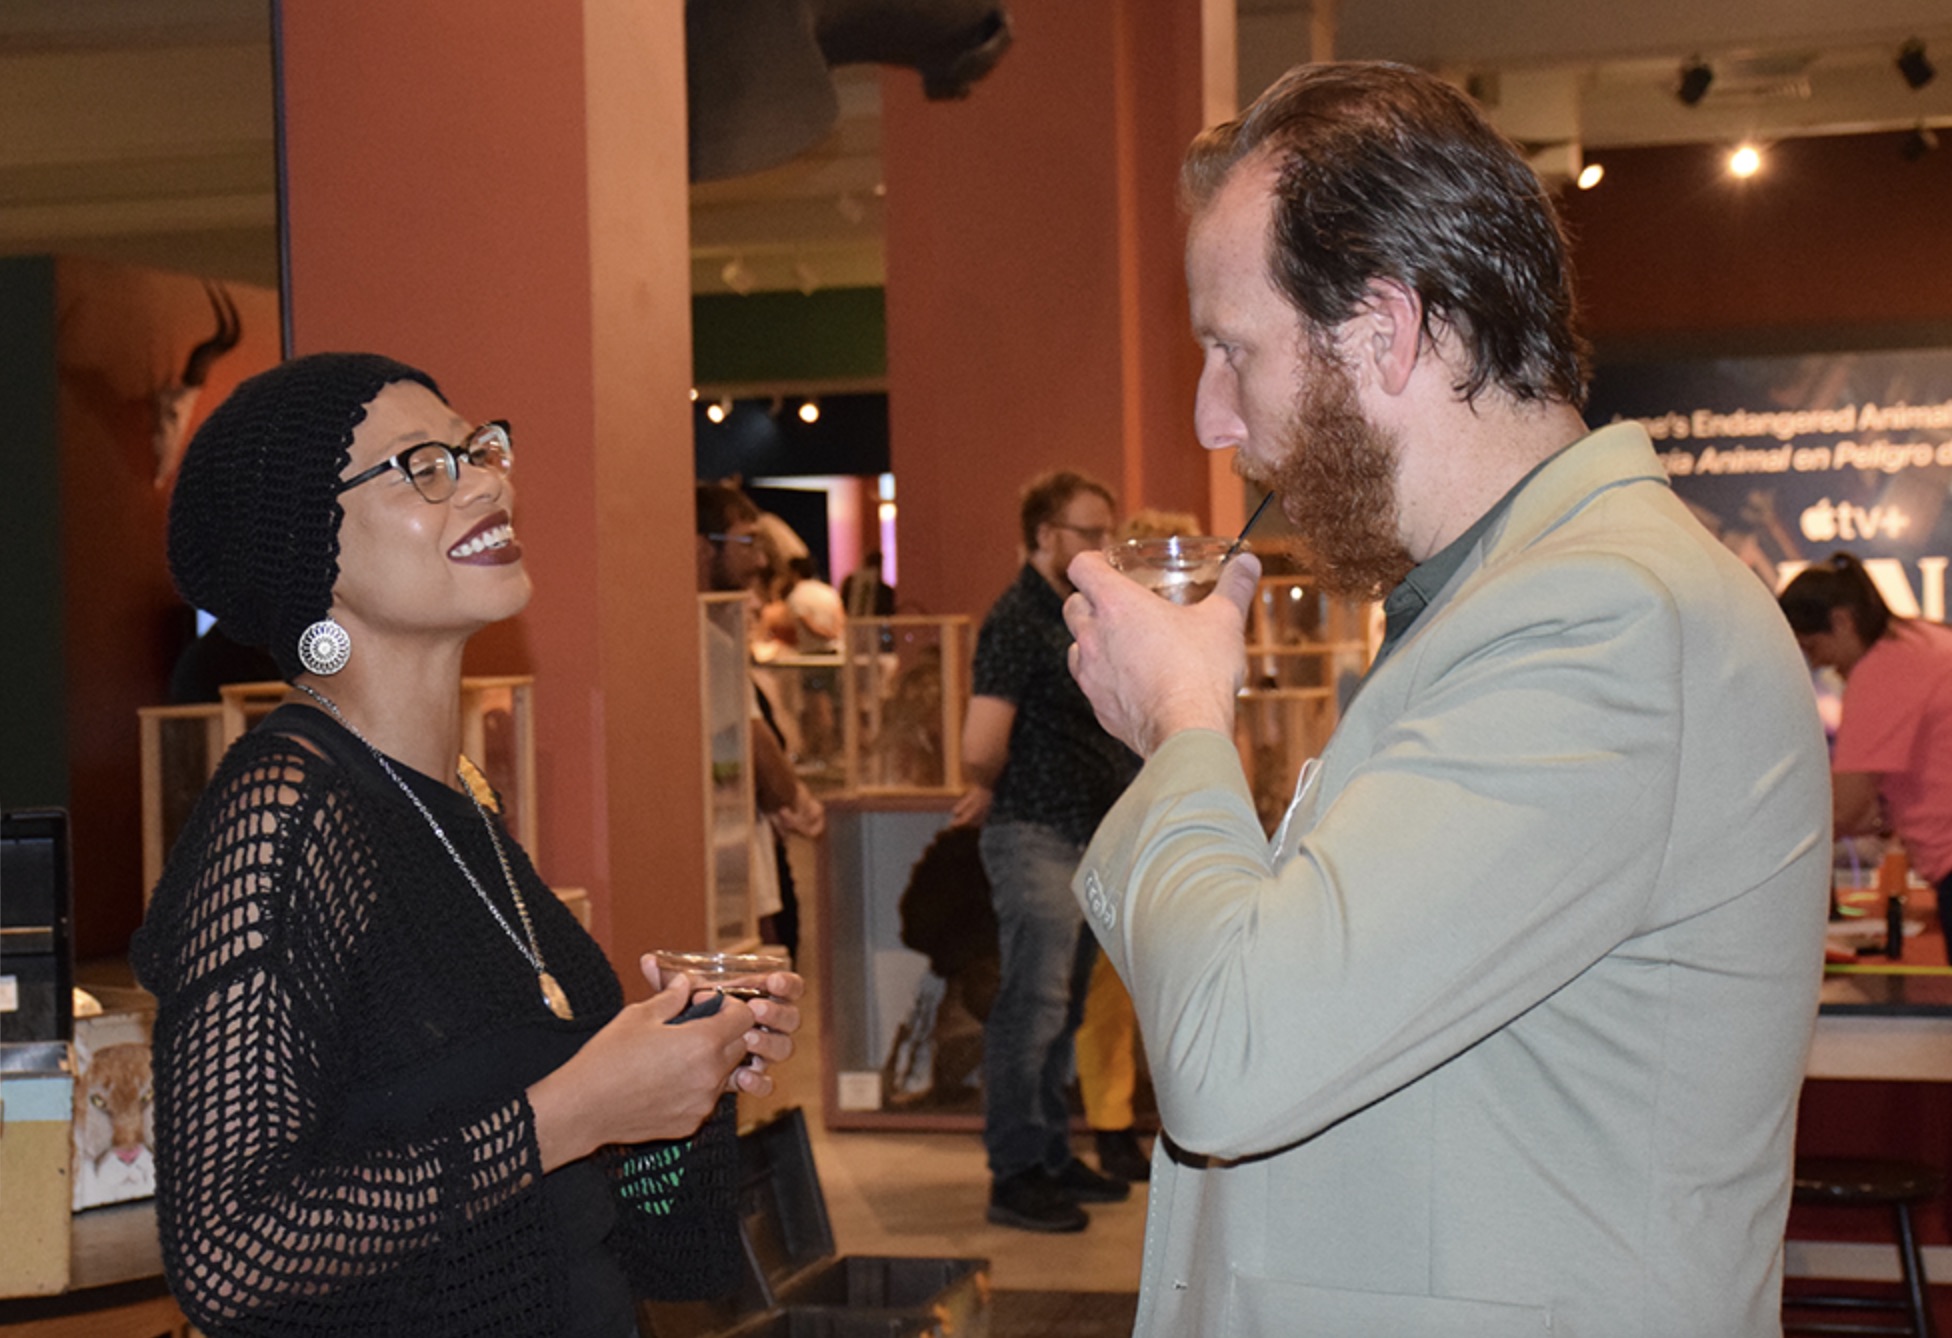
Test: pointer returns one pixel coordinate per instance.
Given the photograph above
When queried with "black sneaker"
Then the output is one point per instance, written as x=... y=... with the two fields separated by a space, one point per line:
x=1085 y=1185
x=1031 y=1201
x=1120 y=1156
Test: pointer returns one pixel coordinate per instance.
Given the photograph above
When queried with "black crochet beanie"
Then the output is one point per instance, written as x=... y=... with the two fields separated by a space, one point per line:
x=254 y=520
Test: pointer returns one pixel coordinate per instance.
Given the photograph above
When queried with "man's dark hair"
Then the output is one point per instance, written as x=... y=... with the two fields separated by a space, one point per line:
x=1048 y=494
x=721 y=506
x=1389 y=173
x=1840 y=583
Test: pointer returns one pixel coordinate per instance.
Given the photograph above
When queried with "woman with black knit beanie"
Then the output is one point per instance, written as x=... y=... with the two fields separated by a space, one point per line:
x=397 y=1088
x=1891 y=766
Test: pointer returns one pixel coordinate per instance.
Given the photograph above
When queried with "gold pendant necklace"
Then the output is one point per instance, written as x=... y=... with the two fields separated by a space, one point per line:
x=553 y=996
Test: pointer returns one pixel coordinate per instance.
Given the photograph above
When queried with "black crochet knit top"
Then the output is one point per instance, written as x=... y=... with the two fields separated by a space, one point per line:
x=343 y=1040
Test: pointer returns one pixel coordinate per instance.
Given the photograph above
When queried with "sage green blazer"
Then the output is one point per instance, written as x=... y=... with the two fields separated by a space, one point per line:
x=1504 y=1034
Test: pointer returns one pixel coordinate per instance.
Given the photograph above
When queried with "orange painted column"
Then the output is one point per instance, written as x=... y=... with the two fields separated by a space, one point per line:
x=1036 y=294
x=495 y=191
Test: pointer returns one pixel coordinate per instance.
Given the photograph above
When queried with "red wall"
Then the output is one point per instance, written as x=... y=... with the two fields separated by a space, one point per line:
x=121 y=332
x=1036 y=313
x=496 y=191
x=1837 y=236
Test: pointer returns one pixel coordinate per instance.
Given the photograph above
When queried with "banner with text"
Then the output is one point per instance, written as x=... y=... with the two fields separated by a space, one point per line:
x=1789 y=459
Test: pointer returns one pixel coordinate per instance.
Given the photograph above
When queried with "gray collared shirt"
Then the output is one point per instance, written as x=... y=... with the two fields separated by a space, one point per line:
x=1412 y=595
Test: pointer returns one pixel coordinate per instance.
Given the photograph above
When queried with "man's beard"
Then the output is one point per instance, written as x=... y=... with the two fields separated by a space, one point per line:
x=1336 y=475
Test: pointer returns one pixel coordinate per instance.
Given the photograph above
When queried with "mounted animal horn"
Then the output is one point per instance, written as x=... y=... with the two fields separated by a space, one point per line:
x=758 y=72
x=175 y=400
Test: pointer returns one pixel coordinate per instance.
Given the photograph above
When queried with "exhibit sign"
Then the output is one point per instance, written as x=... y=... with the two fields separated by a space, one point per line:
x=1791 y=459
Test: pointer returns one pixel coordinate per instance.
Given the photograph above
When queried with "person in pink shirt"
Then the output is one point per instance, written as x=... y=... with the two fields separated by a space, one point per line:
x=1891 y=768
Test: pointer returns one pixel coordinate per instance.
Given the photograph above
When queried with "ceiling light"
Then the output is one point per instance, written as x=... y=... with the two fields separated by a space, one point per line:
x=1745 y=161
x=694 y=394
x=810 y=411
x=1695 y=78
x=1913 y=65
x=1917 y=144
x=737 y=277
x=718 y=409
x=1589 y=176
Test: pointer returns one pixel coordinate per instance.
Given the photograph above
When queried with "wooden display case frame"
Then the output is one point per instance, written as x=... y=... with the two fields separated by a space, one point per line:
x=879 y=657
x=1305 y=655
x=731 y=813
x=216 y=725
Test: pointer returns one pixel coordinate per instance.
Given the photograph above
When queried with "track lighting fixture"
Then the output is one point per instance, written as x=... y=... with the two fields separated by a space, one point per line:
x=1917 y=144
x=810 y=411
x=1913 y=64
x=1695 y=78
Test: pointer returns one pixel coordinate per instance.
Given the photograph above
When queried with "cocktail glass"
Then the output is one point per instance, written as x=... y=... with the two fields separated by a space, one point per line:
x=1183 y=569
x=740 y=974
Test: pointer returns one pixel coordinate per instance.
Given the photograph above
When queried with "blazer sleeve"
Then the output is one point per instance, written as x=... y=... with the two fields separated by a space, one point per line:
x=1504 y=832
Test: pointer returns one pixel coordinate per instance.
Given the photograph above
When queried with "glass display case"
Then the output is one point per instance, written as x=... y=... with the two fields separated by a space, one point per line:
x=726 y=715
x=902 y=1020
x=904 y=690
x=181 y=746
x=1306 y=653
x=882 y=715
x=806 y=697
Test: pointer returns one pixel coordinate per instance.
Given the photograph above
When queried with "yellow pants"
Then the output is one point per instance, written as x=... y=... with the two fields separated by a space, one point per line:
x=1108 y=1048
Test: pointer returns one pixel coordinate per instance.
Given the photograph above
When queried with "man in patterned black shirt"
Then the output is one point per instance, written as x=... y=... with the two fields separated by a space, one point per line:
x=1044 y=773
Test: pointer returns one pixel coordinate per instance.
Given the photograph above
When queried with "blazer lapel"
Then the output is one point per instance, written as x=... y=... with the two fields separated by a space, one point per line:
x=1617 y=454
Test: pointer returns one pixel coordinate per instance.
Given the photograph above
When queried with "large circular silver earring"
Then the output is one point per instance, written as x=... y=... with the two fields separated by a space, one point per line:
x=324 y=648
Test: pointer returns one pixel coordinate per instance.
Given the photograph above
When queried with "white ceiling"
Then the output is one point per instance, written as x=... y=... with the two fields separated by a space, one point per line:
x=142 y=129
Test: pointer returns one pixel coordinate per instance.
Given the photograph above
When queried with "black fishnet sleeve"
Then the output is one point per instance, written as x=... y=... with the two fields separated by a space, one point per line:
x=272 y=1222
x=678 y=1229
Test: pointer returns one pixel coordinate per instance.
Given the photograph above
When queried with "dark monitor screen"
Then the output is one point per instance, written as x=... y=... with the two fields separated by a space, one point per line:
x=36 y=912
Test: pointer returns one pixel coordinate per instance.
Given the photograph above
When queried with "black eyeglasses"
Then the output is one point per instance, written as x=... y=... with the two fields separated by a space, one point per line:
x=434 y=467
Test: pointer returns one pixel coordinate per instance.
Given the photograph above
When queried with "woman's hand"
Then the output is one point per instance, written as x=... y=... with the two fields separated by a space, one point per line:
x=972 y=806
x=771 y=1040
x=640 y=1078
x=805 y=816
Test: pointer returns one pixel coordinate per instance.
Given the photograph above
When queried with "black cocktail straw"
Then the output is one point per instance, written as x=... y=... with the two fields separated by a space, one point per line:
x=1241 y=538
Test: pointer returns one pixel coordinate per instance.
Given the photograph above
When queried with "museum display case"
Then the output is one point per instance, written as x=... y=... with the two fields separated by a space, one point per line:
x=908 y=955
x=731 y=837
x=181 y=746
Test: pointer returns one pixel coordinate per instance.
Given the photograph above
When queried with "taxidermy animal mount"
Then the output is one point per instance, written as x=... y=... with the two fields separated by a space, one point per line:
x=757 y=75
x=175 y=400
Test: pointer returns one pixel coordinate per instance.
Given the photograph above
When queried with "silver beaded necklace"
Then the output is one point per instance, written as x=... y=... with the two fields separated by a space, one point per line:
x=552 y=992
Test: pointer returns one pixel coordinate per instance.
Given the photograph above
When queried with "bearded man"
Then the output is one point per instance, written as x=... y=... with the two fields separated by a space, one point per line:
x=1503 y=1032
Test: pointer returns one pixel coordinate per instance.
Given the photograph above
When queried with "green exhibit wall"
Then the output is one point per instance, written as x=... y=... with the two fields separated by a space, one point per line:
x=838 y=334
x=33 y=737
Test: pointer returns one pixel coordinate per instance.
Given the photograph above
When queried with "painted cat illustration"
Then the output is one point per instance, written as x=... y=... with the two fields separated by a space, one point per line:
x=115 y=1129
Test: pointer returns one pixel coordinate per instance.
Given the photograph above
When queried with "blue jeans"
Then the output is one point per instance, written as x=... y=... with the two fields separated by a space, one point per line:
x=1046 y=965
